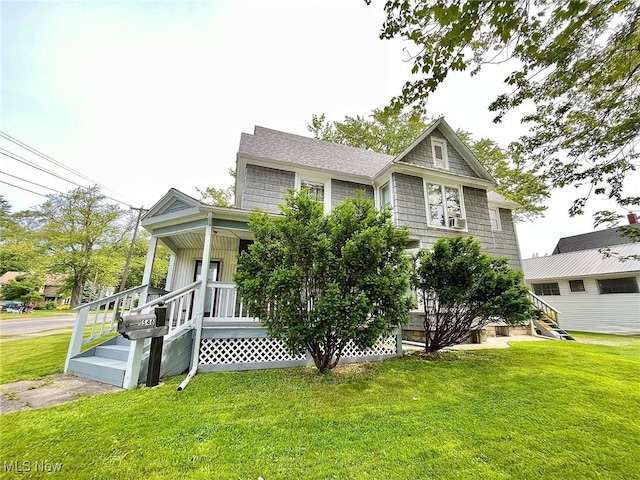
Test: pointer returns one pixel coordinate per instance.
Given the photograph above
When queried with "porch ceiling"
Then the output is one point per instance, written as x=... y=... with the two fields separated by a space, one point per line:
x=195 y=240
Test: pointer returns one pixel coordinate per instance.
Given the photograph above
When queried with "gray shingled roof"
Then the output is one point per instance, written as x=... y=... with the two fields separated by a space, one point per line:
x=581 y=264
x=586 y=241
x=309 y=152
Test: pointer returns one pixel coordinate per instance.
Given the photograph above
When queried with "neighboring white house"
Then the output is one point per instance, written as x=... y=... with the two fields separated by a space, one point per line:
x=592 y=292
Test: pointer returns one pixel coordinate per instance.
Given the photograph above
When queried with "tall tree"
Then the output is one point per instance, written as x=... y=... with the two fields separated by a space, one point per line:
x=81 y=232
x=319 y=282
x=576 y=62
x=391 y=131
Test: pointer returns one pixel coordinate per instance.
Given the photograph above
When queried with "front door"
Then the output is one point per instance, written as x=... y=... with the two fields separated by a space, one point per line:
x=212 y=276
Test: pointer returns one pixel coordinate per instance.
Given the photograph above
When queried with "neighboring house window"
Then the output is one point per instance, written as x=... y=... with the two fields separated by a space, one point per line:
x=546 y=289
x=576 y=286
x=385 y=195
x=315 y=190
x=494 y=216
x=618 y=285
x=444 y=205
x=439 y=153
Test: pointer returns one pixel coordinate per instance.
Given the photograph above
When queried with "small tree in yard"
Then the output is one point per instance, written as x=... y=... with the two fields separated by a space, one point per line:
x=318 y=282
x=462 y=288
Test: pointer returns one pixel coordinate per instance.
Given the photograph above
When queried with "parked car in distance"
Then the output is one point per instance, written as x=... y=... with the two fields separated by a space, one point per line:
x=13 y=307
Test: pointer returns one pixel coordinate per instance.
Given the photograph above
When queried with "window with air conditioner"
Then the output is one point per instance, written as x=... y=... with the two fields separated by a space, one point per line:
x=444 y=207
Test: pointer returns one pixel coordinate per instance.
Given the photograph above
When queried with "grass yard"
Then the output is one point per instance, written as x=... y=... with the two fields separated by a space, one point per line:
x=552 y=410
x=37 y=314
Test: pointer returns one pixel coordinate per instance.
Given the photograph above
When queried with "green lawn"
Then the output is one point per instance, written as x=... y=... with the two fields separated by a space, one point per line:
x=37 y=314
x=552 y=410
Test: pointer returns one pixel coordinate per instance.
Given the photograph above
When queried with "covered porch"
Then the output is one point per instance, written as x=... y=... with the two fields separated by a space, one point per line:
x=209 y=327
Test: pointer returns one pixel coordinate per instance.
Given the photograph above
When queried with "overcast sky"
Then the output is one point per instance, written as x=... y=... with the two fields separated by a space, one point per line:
x=145 y=96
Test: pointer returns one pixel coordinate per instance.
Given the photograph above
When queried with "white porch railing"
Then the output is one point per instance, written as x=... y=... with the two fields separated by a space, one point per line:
x=223 y=304
x=550 y=313
x=99 y=318
x=181 y=307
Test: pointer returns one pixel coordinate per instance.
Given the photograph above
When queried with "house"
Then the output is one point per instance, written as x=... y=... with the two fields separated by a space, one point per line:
x=592 y=292
x=51 y=290
x=436 y=187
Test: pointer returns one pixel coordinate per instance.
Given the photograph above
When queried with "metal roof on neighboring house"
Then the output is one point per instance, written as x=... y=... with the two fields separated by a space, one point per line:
x=597 y=239
x=310 y=152
x=583 y=263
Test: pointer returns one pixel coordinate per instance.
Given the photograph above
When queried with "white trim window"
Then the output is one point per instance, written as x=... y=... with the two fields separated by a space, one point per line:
x=318 y=188
x=494 y=218
x=444 y=205
x=439 y=153
x=385 y=196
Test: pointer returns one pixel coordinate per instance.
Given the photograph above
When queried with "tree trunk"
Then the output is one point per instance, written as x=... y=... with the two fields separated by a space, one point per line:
x=78 y=289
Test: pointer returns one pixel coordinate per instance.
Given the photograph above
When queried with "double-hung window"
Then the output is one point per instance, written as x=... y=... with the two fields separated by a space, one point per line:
x=494 y=217
x=444 y=204
x=385 y=195
x=314 y=189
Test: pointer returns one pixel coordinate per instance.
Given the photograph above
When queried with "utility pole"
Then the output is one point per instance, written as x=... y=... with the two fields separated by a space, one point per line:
x=127 y=266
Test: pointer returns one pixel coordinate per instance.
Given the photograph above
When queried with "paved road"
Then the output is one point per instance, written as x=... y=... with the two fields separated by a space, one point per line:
x=25 y=326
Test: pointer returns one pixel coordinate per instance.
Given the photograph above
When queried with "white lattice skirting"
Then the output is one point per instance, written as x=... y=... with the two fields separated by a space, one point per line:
x=243 y=350
x=263 y=352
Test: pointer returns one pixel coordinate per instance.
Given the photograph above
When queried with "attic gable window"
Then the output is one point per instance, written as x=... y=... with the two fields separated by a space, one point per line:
x=439 y=153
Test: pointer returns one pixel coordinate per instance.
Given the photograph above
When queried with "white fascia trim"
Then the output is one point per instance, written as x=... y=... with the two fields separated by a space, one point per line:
x=438 y=176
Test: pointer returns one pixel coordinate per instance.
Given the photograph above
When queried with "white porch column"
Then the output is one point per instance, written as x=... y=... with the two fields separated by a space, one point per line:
x=206 y=259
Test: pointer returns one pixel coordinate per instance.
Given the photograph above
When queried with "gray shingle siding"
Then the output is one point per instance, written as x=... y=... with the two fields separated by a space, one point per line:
x=422 y=155
x=341 y=190
x=505 y=241
x=410 y=210
x=266 y=188
x=409 y=204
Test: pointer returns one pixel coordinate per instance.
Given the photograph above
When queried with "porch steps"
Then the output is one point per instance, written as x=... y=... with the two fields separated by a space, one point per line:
x=551 y=329
x=105 y=363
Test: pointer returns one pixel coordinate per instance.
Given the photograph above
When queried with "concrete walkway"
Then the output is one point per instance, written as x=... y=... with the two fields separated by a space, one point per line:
x=492 y=342
x=51 y=390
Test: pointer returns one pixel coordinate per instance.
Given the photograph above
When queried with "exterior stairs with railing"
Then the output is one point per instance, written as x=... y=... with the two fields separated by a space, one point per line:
x=547 y=322
x=98 y=353
x=106 y=363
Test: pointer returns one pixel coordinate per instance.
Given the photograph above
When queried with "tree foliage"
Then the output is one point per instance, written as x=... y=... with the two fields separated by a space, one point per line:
x=384 y=131
x=319 y=282
x=219 y=197
x=576 y=62
x=82 y=234
x=462 y=288
x=391 y=131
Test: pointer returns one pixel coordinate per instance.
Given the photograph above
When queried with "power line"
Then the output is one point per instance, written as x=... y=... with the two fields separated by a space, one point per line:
x=49 y=159
x=33 y=183
x=22 y=188
x=20 y=159
x=61 y=165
